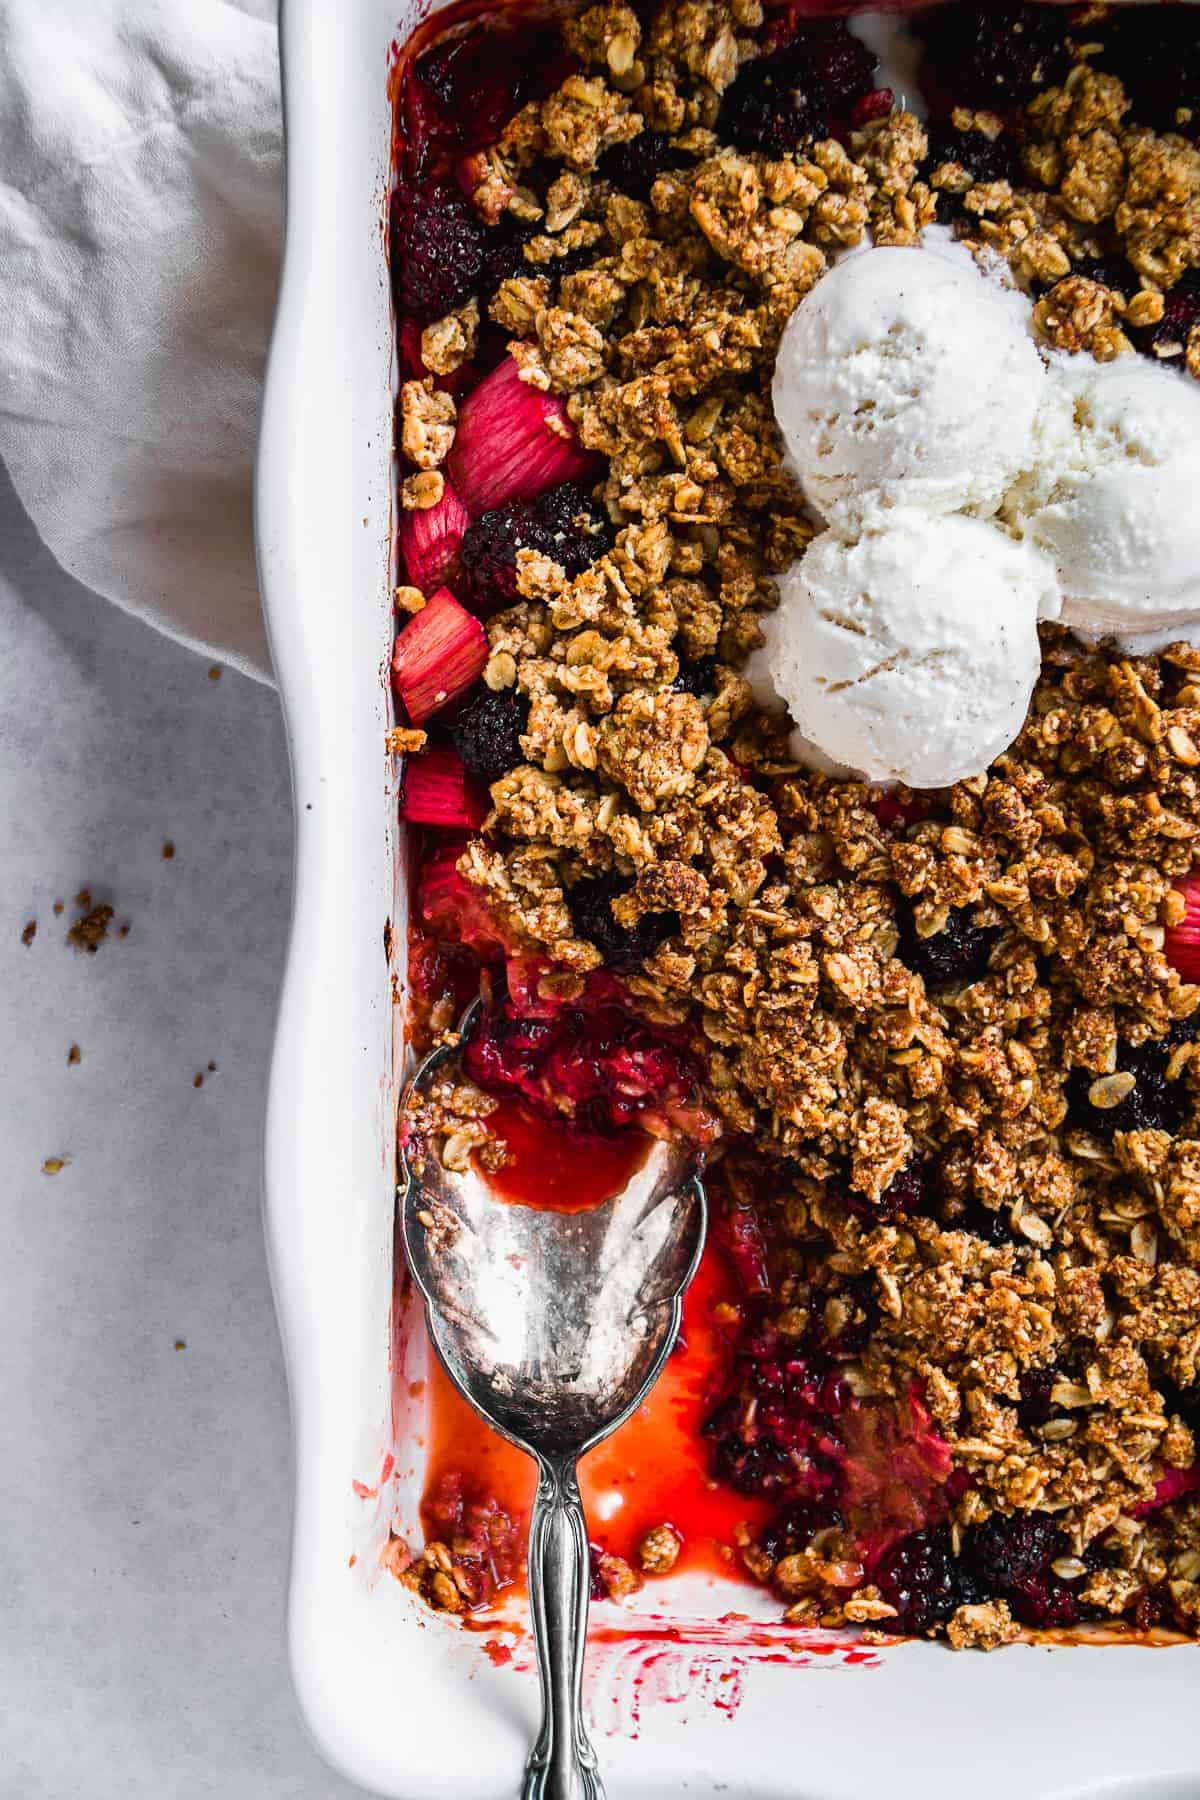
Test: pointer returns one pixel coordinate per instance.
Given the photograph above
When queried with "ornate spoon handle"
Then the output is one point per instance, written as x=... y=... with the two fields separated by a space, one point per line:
x=562 y=1764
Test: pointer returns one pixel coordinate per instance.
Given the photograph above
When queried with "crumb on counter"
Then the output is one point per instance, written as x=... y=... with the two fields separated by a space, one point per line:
x=90 y=929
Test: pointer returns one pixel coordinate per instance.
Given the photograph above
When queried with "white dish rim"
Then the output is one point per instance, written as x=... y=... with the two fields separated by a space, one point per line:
x=397 y=1703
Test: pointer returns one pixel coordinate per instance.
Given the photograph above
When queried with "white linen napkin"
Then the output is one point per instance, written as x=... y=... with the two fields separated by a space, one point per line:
x=140 y=213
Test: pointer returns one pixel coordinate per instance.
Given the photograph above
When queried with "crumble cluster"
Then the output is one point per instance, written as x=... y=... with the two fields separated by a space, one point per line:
x=954 y=1068
x=1097 y=213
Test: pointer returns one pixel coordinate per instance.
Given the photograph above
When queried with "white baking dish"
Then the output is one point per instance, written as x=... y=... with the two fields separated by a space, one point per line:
x=397 y=1700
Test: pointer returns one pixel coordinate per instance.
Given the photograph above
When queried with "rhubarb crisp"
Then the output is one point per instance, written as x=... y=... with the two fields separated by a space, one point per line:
x=938 y=1046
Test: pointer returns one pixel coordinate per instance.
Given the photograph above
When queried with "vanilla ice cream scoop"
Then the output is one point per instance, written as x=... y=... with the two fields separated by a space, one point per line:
x=1117 y=503
x=911 y=654
x=905 y=378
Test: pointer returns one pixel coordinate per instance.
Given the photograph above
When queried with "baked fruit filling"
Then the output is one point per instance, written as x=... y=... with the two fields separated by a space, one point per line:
x=939 y=1043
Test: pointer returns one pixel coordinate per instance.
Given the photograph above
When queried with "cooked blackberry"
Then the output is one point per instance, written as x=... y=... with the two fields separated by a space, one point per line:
x=748 y=1467
x=623 y=947
x=1035 y=1406
x=958 y=953
x=1009 y=1547
x=996 y=55
x=436 y=249
x=487 y=733
x=488 y=554
x=634 y=167
x=1157 y=56
x=1181 y=311
x=1111 y=272
x=696 y=675
x=1011 y=1556
x=777 y=101
x=796 y=1526
x=906 y=1194
x=839 y=64
x=1184 y=1401
x=1153 y=1104
x=984 y=158
x=503 y=247
x=564 y=523
x=922 y=1578
x=990 y=1224
x=479 y=80
x=575 y=527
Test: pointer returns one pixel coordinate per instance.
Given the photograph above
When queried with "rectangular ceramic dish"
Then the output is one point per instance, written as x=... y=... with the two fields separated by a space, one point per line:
x=398 y=1700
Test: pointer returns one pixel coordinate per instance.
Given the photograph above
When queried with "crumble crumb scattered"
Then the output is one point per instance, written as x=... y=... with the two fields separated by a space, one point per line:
x=29 y=933
x=406 y=740
x=427 y=416
x=90 y=929
x=658 y=1551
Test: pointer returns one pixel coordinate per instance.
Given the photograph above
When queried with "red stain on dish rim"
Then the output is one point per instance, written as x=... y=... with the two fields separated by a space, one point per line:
x=385 y=1475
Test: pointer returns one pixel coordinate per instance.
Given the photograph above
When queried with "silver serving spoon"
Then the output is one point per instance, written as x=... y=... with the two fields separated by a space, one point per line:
x=554 y=1326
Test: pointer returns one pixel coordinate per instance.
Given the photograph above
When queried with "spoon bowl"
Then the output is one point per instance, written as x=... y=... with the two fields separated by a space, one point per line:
x=554 y=1326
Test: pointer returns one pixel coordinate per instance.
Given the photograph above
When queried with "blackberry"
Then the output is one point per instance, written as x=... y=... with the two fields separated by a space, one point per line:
x=839 y=65
x=1009 y=1547
x=1110 y=272
x=766 y=108
x=957 y=953
x=996 y=55
x=1154 y=1104
x=1157 y=56
x=1010 y=1556
x=697 y=675
x=1035 y=1406
x=1184 y=1401
x=576 y=529
x=796 y=1526
x=984 y=158
x=634 y=167
x=436 y=249
x=503 y=254
x=797 y=92
x=487 y=733
x=564 y=523
x=1181 y=311
x=478 y=81
x=488 y=554
x=921 y=1577
x=905 y=1194
x=748 y=1468
x=623 y=947
x=990 y=1224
